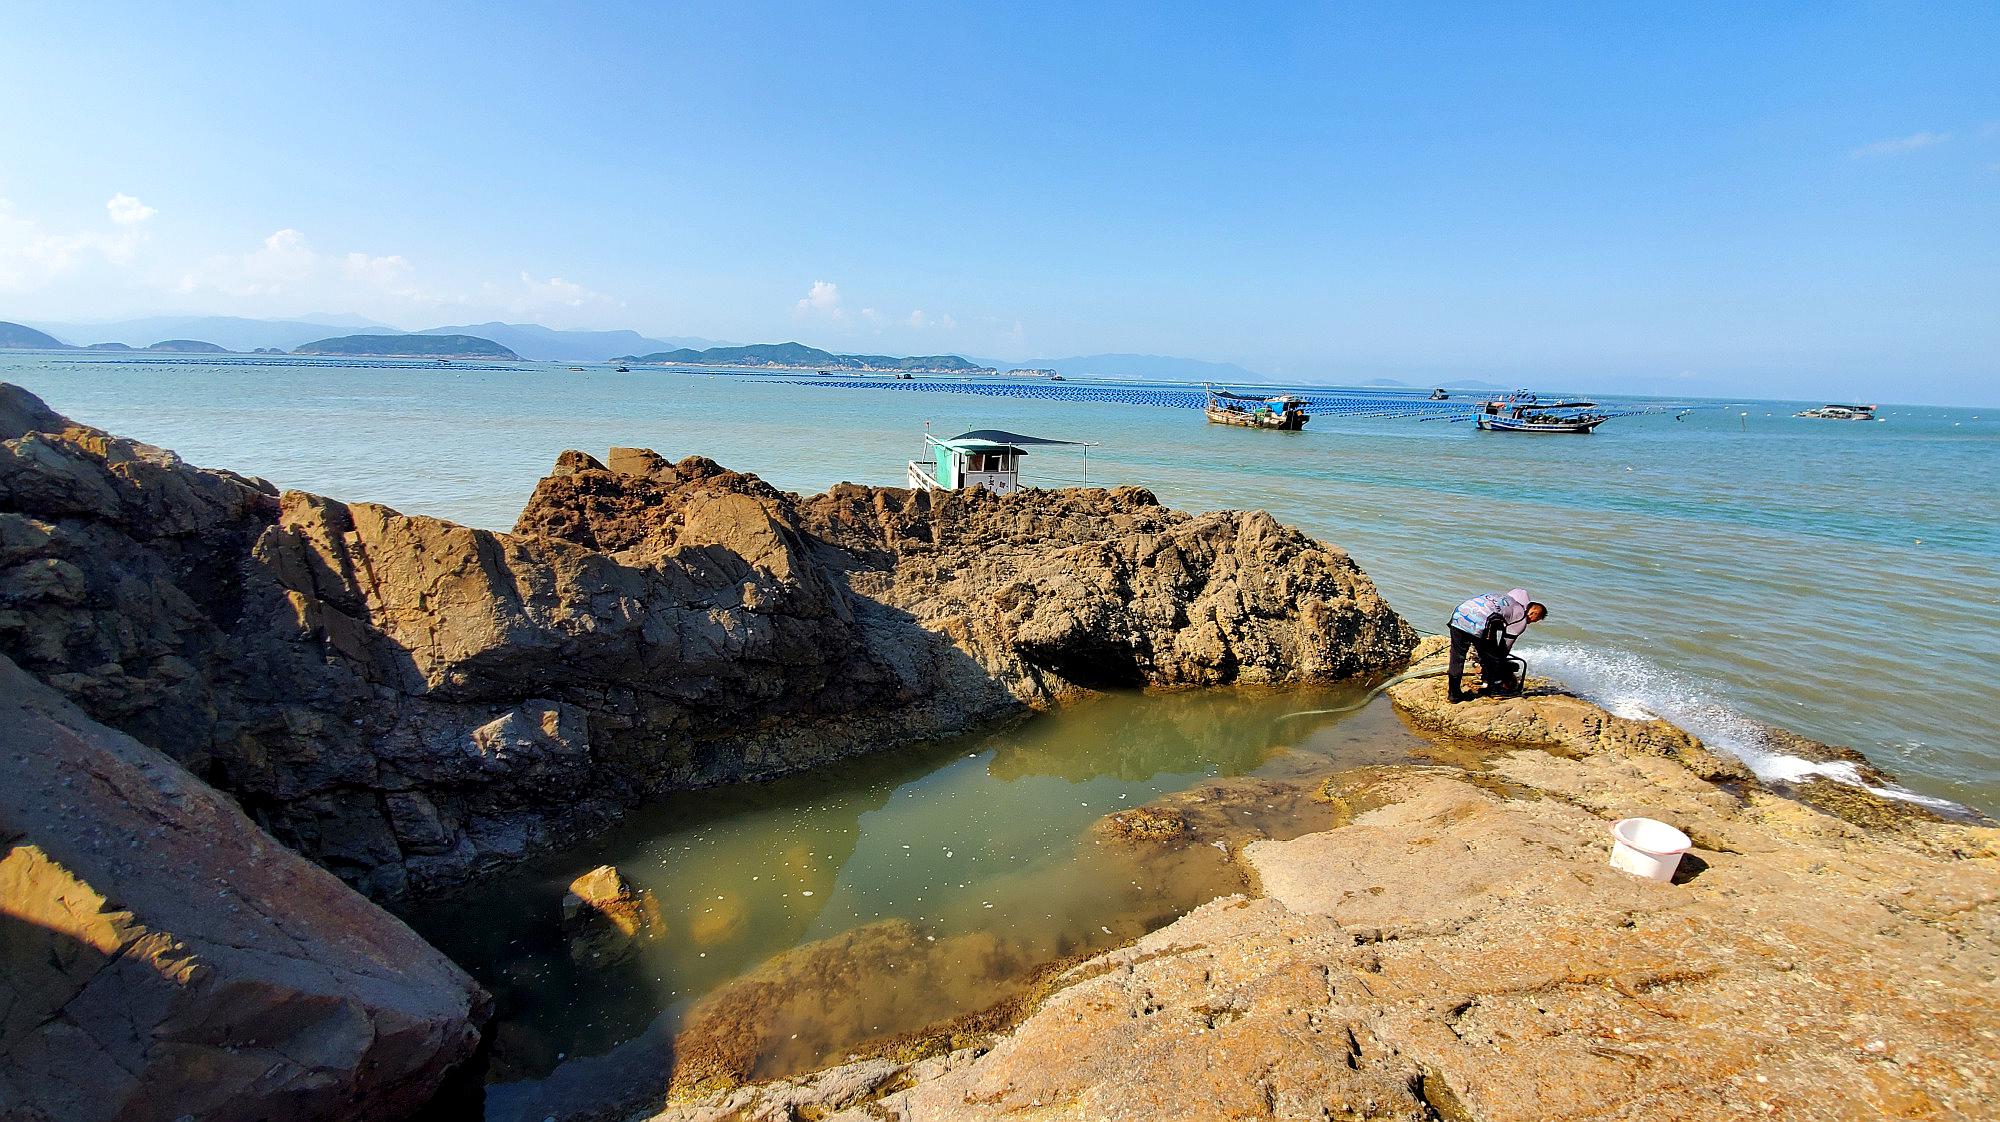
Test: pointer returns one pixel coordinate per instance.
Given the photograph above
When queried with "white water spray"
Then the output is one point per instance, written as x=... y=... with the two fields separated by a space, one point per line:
x=1631 y=686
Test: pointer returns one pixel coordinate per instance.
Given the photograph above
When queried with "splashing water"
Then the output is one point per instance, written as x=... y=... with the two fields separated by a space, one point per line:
x=1630 y=685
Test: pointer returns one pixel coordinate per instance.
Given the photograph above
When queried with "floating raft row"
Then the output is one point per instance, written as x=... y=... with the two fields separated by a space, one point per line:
x=345 y=362
x=1382 y=404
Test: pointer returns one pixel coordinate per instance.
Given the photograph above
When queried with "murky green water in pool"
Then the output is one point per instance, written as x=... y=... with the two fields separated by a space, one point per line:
x=986 y=848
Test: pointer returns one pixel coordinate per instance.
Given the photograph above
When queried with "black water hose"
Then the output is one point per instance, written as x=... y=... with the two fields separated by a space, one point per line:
x=1519 y=664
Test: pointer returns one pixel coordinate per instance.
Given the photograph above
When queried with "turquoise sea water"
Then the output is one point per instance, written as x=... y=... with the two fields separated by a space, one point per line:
x=1740 y=565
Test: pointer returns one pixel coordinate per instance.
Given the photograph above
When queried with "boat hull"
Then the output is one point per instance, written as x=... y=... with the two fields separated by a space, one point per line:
x=1510 y=424
x=1286 y=422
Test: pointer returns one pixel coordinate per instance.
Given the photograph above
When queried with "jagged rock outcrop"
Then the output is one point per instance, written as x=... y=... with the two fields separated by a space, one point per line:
x=407 y=701
x=1048 y=591
x=162 y=958
x=1461 y=949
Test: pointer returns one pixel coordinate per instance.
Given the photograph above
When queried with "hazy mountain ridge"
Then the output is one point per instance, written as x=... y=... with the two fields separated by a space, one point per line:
x=408 y=344
x=546 y=344
x=20 y=337
x=1163 y=367
x=232 y=333
x=798 y=355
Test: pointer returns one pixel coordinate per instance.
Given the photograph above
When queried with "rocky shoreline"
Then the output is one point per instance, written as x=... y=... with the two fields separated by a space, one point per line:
x=1452 y=944
x=230 y=713
x=407 y=703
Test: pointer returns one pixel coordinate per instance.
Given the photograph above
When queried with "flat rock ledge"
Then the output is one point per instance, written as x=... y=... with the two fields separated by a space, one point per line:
x=1462 y=950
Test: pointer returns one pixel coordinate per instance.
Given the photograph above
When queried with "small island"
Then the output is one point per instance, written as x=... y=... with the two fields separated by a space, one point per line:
x=19 y=337
x=798 y=356
x=188 y=347
x=408 y=346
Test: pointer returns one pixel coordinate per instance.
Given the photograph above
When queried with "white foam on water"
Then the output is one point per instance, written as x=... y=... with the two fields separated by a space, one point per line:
x=1630 y=685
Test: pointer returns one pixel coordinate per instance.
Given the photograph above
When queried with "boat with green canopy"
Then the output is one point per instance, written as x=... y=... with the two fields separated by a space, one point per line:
x=988 y=458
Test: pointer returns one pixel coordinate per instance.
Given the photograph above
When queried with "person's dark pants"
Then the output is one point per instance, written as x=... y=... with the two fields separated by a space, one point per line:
x=1493 y=668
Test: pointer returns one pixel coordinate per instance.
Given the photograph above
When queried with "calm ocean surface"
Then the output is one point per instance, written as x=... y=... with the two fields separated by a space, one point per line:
x=1840 y=579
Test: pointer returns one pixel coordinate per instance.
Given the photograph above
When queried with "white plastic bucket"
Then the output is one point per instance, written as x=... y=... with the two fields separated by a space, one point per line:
x=1646 y=848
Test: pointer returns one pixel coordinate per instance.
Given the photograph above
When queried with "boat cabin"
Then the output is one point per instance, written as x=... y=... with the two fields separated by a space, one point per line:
x=986 y=458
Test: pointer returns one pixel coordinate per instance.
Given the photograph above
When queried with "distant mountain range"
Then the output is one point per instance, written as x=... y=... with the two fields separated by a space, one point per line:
x=537 y=343
x=421 y=345
x=231 y=333
x=234 y=333
x=800 y=356
x=543 y=344
x=1164 y=367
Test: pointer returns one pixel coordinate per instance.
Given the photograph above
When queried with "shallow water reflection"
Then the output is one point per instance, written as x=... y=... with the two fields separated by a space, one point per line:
x=806 y=916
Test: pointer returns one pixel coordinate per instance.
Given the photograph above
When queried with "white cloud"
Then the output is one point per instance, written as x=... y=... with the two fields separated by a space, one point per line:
x=73 y=273
x=128 y=211
x=1900 y=144
x=531 y=296
x=32 y=256
x=825 y=303
x=821 y=301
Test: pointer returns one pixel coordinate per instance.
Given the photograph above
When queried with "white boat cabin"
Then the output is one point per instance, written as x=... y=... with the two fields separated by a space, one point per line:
x=986 y=458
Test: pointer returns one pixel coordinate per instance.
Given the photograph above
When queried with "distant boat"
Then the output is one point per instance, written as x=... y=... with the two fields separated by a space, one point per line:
x=985 y=458
x=1522 y=411
x=903 y=376
x=1440 y=395
x=1055 y=377
x=1841 y=413
x=624 y=369
x=1283 y=412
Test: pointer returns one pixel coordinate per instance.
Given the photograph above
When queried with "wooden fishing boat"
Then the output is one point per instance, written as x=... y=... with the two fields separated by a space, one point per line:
x=1284 y=412
x=1522 y=411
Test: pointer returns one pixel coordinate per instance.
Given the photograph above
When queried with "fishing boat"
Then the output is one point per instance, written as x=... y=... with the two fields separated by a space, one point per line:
x=1522 y=411
x=1440 y=395
x=1283 y=412
x=988 y=458
x=1841 y=413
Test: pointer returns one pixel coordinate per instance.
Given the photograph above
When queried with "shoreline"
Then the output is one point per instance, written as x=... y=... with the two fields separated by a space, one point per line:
x=408 y=701
x=1551 y=750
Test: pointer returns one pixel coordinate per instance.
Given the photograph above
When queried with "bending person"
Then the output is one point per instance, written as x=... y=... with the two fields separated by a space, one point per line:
x=1489 y=626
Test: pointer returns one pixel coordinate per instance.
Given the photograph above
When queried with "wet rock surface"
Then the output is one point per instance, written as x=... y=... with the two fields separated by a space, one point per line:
x=407 y=701
x=605 y=918
x=1458 y=947
x=161 y=957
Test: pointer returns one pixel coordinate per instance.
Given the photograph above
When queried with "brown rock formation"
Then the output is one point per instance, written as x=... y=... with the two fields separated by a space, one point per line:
x=1047 y=591
x=1454 y=953
x=605 y=917
x=406 y=700
x=161 y=957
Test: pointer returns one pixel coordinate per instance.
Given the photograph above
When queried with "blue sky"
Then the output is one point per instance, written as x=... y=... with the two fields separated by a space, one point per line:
x=1799 y=199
